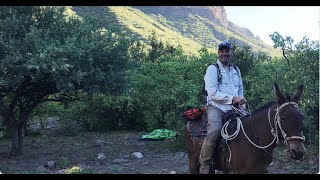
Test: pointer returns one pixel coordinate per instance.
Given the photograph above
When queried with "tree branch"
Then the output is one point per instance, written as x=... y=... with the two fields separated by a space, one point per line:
x=284 y=55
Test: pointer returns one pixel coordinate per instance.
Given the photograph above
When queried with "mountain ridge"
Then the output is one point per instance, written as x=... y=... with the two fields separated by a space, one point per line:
x=193 y=27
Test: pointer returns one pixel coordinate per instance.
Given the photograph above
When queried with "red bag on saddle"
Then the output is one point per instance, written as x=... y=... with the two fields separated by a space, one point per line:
x=193 y=114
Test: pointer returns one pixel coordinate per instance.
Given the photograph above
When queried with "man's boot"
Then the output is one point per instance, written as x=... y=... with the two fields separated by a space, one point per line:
x=205 y=156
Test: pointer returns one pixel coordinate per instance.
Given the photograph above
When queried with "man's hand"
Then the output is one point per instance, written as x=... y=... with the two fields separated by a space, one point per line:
x=240 y=100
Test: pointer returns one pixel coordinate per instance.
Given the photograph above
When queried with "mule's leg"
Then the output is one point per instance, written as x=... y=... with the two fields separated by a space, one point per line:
x=220 y=162
x=193 y=164
x=193 y=153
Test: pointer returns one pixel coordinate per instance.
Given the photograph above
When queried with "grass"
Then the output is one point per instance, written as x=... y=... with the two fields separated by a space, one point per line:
x=63 y=162
x=86 y=171
x=191 y=32
x=115 y=168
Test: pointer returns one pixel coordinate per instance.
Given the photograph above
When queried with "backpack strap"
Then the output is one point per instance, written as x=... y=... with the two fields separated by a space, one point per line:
x=236 y=68
x=219 y=72
x=204 y=92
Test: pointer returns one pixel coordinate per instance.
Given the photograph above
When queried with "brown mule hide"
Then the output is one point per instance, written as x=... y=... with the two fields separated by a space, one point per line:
x=282 y=118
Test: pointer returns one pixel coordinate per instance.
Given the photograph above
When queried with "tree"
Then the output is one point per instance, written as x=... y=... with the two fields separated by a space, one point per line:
x=167 y=83
x=302 y=67
x=47 y=55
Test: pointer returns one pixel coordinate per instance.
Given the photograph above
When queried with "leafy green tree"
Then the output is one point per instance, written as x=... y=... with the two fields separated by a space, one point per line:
x=244 y=58
x=167 y=83
x=299 y=65
x=46 y=55
x=302 y=67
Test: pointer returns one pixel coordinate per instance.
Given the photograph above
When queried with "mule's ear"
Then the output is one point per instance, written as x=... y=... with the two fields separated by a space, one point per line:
x=279 y=96
x=297 y=94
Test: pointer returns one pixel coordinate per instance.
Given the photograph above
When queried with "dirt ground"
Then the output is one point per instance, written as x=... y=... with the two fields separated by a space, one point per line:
x=120 y=153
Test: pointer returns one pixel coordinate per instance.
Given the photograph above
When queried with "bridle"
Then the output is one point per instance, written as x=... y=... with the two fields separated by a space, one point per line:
x=277 y=122
x=274 y=131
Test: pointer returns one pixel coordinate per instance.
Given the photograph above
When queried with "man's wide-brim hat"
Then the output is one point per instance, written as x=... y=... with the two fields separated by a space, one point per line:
x=225 y=44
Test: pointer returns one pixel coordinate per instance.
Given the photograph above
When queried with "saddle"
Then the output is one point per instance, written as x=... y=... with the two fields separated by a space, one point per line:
x=198 y=127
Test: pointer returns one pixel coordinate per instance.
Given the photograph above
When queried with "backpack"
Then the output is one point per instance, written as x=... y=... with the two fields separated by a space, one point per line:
x=193 y=114
x=204 y=92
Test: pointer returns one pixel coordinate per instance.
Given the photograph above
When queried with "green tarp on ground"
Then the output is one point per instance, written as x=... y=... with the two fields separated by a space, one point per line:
x=159 y=134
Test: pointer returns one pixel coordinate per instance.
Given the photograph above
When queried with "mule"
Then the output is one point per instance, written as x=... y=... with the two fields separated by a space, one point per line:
x=258 y=133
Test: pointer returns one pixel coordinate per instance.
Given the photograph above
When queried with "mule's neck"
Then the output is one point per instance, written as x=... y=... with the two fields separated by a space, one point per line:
x=261 y=129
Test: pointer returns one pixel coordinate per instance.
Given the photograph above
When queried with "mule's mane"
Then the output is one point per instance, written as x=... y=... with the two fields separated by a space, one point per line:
x=269 y=104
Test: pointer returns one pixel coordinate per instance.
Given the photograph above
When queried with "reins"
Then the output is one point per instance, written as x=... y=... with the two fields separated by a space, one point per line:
x=274 y=131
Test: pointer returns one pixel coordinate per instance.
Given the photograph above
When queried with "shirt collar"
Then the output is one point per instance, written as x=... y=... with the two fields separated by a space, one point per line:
x=221 y=65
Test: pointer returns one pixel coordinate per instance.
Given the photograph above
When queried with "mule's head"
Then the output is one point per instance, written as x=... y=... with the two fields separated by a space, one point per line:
x=290 y=122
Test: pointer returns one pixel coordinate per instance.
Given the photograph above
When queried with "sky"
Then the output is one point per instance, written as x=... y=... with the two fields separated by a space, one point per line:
x=262 y=21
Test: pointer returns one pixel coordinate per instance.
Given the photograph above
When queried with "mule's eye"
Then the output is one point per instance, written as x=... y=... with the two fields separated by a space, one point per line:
x=283 y=119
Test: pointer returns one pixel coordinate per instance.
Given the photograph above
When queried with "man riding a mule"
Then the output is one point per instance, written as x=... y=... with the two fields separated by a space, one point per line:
x=223 y=87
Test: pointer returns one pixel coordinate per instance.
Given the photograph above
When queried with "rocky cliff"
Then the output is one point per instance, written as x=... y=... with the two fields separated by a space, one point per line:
x=192 y=27
x=216 y=14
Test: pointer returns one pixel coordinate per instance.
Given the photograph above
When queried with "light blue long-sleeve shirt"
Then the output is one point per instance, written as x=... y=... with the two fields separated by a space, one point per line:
x=220 y=94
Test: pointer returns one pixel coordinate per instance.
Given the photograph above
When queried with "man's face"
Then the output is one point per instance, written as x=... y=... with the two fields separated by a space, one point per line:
x=225 y=55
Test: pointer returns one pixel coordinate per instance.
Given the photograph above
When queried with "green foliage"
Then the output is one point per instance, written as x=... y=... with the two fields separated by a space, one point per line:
x=300 y=65
x=139 y=25
x=47 y=53
x=67 y=54
x=163 y=82
x=244 y=59
x=97 y=112
x=191 y=31
x=115 y=168
x=63 y=162
x=86 y=171
x=166 y=84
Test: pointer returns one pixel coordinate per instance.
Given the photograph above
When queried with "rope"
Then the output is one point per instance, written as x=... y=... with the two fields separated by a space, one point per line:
x=274 y=132
x=278 y=123
x=224 y=130
x=228 y=137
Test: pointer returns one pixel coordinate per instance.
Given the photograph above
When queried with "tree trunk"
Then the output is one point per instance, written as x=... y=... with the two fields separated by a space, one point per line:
x=17 y=135
x=14 y=139
x=21 y=136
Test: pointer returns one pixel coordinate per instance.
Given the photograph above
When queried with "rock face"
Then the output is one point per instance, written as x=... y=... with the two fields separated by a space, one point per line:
x=216 y=14
x=239 y=29
x=198 y=25
x=219 y=14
